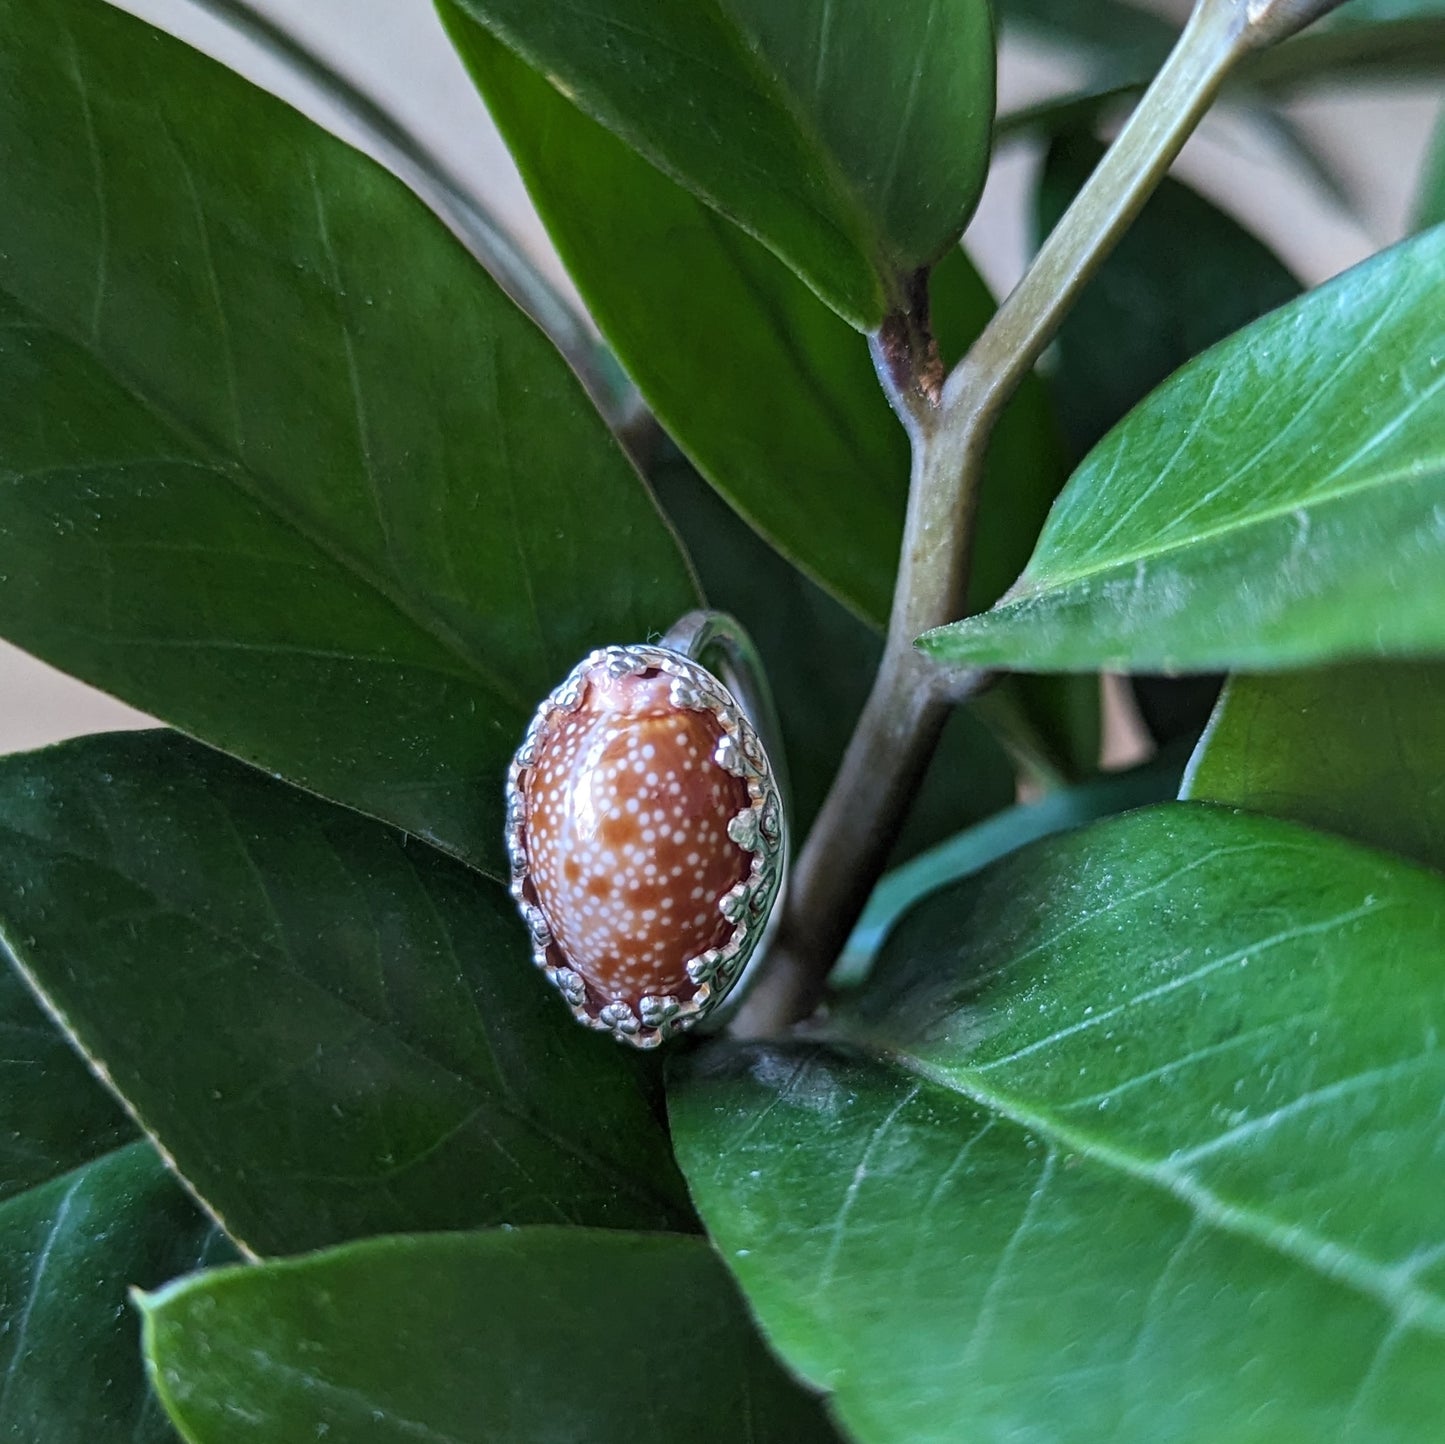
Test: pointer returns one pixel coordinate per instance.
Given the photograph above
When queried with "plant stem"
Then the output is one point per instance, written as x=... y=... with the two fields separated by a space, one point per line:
x=900 y=723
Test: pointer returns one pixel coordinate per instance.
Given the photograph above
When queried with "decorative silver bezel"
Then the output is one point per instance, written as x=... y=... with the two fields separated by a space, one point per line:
x=760 y=828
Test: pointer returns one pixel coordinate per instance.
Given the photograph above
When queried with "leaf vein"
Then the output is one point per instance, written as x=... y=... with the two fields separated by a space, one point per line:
x=1391 y=1287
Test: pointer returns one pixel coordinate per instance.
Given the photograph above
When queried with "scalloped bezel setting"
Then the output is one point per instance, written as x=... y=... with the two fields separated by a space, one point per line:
x=759 y=829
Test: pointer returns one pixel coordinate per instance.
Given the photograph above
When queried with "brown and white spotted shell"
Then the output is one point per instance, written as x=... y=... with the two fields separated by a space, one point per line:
x=645 y=832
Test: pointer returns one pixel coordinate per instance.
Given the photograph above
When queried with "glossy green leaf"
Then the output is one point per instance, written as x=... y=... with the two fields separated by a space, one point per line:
x=54 y=1116
x=84 y=1213
x=1134 y=1137
x=771 y=395
x=1280 y=501
x=332 y=1029
x=820 y=661
x=972 y=851
x=499 y=1338
x=1354 y=750
x=1184 y=276
x=70 y=1367
x=281 y=464
x=853 y=142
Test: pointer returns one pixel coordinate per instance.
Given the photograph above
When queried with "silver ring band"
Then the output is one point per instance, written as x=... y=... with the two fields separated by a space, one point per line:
x=719 y=642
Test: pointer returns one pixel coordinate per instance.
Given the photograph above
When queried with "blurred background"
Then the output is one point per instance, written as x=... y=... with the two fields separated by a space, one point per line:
x=1372 y=139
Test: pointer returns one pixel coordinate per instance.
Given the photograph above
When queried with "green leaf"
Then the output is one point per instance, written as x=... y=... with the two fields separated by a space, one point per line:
x=1280 y=501
x=53 y=1115
x=1115 y=1127
x=852 y=142
x=498 y=1338
x=69 y=1251
x=1353 y=750
x=330 y=1028
x=771 y=396
x=970 y=852
x=1184 y=276
x=820 y=660
x=84 y=1213
x=282 y=465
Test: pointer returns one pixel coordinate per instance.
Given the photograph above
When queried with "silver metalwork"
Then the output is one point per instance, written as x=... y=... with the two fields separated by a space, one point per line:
x=749 y=748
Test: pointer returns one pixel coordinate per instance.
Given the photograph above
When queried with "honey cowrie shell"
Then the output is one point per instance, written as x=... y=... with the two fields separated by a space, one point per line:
x=645 y=831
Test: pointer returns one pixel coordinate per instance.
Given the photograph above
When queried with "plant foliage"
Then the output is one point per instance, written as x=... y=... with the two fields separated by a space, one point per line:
x=1122 y=1121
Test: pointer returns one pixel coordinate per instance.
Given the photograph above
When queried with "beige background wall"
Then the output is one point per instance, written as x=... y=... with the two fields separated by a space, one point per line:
x=396 y=50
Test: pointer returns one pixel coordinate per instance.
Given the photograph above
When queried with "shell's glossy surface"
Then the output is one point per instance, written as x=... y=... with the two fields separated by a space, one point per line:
x=626 y=836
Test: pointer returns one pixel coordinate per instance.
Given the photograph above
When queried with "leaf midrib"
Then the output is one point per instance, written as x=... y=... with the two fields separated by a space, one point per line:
x=86 y=1163
x=1422 y=469
x=1406 y=1303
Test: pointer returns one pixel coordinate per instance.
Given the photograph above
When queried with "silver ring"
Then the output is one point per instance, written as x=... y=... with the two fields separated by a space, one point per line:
x=646 y=830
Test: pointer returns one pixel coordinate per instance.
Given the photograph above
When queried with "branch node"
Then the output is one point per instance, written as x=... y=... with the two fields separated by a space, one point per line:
x=906 y=355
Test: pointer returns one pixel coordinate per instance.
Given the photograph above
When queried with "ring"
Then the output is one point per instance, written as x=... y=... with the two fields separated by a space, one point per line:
x=646 y=829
